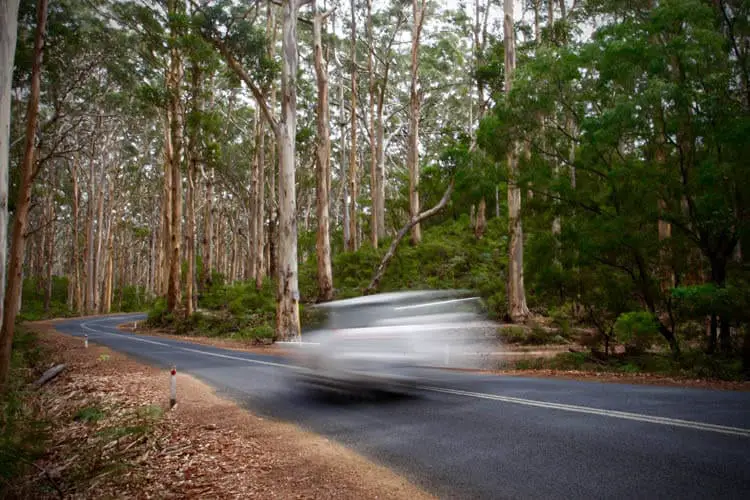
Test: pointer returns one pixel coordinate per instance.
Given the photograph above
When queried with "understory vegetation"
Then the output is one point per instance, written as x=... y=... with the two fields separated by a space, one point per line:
x=23 y=432
x=40 y=302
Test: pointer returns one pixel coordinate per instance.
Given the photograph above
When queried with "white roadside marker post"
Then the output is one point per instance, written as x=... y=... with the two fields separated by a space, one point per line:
x=85 y=340
x=173 y=387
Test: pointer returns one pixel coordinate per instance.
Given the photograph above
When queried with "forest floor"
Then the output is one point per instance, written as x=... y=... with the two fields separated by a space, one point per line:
x=509 y=360
x=110 y=433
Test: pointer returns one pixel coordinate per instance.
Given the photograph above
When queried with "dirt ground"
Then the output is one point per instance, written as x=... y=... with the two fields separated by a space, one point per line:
x=113 y=435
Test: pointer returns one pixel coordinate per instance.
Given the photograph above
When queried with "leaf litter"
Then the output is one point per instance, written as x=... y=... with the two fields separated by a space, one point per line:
x=113 y=435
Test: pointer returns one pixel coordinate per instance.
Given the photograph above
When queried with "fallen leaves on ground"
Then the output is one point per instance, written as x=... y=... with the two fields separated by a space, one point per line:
x=113 y=435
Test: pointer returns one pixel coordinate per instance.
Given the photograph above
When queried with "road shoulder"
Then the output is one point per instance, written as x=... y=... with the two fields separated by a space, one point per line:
x=113 y=434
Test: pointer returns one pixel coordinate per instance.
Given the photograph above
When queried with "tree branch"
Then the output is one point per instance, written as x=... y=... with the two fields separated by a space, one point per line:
x=400 y=236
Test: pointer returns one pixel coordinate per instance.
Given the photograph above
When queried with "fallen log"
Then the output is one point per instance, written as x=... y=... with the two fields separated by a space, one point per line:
x=49 y=375
x=400 y=236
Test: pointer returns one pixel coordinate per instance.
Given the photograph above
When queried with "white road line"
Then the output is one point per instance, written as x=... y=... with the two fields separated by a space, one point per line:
x=257 y=361
x=689 y=424
x=431 y=304
x=93 y=330
x=723 y=429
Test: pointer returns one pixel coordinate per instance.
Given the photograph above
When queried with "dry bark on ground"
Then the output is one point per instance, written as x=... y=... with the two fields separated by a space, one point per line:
x=113 y=435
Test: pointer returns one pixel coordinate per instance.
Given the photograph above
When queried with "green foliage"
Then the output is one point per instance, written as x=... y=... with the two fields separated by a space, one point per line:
x=698 y=301
x=158 y=315
x=32 y=303
x=692 y=364
x=89 y=414
x=512 y=334
x=236 y=310
x=536 y=335
x=131 y=299
x=450 y=256
x=637 y=330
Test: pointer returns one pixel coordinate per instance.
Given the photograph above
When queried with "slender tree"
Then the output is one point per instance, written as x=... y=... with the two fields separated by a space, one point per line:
x=352 y=242
x=28 y=172
x=418 y=13
x=8 y=33
x=323 y=160
x=174 y=78
x=517 y=308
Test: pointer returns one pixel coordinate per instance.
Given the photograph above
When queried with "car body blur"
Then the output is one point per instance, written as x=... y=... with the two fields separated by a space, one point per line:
x=391 y=341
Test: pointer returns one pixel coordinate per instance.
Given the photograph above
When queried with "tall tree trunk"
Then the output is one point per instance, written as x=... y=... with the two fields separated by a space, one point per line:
x=343 y=173
x=153 y=259
x=287 y=316
x=28 y=172
x=220 y=247
x=380 y=170
x=517 y=308
x=252 y=206
x=273 y=211
x=166 y=209
x=208 y=238
x=76 y=298
x=173 y=84
x=323 y=172
x=49 y=253
x=98 y=251
x=109 y=274
x=90 y=249
x=260 y=218
x=418 y=7
x=374 y=190
x=352 y=243
x=195 y=80
x=8 y=33
x=380 y=139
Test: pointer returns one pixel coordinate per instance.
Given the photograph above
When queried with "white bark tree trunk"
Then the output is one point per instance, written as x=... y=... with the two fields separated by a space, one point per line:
x=323 y=171
x=418 y=7
x=352 y=243
x=8 y=33
x=374 y=189
x=287 y=316
x=173 y=84
x=517 y=308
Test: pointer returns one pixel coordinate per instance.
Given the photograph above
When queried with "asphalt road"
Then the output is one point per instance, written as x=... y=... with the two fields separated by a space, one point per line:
x=483 y=436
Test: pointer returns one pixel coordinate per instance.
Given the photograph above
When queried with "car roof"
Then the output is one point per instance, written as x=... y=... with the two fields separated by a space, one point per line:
x=394 y=298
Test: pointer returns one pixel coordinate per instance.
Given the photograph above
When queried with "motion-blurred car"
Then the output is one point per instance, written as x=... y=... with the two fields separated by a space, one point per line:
x=390 y=341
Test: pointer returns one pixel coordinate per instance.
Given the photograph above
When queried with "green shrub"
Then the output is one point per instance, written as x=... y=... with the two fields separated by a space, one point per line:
x=570 y=361
x=157 y=314
x=131 y=299
x=539 y=336
x=32 y=299
x=512 y=334
x=637 y=330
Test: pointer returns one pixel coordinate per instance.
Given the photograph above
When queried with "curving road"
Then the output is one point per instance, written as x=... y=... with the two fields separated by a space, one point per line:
x=485 y=436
